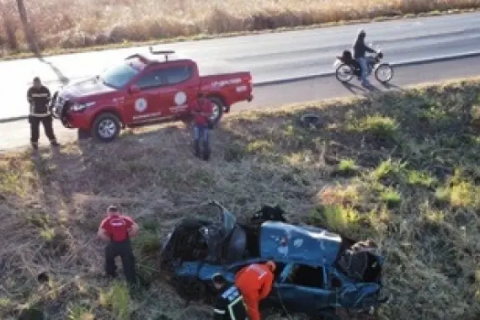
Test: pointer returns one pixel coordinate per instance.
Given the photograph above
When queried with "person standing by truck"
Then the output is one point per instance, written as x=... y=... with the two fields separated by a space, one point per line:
x=39 y=97
x=117 y=229
x=202 y=110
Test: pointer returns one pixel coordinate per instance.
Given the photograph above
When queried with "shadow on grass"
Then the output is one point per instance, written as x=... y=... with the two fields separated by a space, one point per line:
x=400 y=168
x=70 y=190
x=391 y=86
x=353 y=88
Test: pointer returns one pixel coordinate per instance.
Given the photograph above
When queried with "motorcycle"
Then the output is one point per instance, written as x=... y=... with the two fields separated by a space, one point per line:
x=346 y=67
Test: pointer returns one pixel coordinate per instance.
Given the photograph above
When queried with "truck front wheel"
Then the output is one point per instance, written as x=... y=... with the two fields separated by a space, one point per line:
x=218 y=106
x=106 y=127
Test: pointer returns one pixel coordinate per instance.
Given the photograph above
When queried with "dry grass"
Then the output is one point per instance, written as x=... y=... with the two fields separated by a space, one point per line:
x=77 y=24
x=401 y=168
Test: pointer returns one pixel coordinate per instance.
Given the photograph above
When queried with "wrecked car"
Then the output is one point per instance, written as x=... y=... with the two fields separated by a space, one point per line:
x=314 y=273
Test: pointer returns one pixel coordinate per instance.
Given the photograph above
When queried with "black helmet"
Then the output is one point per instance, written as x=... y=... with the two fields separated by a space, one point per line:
x=362 y=33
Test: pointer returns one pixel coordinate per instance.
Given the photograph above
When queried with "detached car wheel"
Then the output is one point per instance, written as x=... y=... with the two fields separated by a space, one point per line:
x=106 y=127
x=218 y=106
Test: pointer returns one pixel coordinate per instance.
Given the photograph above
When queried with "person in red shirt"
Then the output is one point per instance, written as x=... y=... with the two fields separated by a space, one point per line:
x=117 y=229
x=202 y=111
x=255 y=283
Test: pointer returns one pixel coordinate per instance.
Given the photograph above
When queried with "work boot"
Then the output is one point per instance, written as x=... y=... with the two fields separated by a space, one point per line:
x=35 y=146
x=54 y=143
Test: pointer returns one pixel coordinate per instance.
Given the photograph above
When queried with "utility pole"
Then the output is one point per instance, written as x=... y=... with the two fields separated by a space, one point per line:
x=27 y=28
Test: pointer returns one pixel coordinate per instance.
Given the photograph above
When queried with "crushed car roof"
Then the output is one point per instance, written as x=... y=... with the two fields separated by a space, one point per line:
x=304 y=244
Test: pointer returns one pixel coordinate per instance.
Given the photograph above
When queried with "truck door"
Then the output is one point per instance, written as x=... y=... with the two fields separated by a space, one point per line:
x=143 y=105
x=182 y=83
x=165 y=92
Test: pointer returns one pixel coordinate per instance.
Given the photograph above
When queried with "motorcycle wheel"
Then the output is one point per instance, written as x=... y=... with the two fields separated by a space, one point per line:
x=384 y=72
x=344 y=73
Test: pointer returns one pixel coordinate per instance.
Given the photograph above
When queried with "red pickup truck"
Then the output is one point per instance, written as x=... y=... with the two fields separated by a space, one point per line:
x=143 y=90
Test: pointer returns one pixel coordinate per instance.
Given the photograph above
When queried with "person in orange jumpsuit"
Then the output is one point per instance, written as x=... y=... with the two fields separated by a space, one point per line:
x=255 y=283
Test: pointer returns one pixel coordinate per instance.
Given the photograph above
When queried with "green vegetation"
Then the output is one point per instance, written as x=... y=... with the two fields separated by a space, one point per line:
x=400 y=168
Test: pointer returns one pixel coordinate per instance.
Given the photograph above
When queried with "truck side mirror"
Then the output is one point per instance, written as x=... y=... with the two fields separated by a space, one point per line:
x=134 y=89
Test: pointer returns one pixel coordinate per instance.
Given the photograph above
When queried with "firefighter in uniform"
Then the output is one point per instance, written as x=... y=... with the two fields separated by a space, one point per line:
x=39 y=99
x=117 y=229
x=255 y=283
x=229 y=304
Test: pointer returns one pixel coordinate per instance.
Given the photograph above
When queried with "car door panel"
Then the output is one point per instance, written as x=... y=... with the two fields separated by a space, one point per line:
x=352 y=295
x=143 y=106
x=295 y=298
x=182 y=85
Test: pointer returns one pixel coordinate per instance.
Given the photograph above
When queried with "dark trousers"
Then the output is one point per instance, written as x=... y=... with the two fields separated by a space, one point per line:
x=124 y=250
x=47 y=123
x=201 y=133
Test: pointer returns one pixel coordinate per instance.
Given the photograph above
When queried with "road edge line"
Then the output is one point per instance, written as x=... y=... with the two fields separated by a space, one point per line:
x=328 y=74
x=394 y=64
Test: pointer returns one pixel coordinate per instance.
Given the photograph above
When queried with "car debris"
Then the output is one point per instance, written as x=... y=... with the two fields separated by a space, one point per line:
x=314 y=275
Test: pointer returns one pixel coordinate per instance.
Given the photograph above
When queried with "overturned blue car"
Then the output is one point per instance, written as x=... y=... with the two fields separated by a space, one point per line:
x=317 y=271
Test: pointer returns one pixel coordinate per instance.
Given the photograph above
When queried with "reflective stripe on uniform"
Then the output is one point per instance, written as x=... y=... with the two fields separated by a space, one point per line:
x=39 y=95
x=34 y=114
x=41 y=115
x=261 y=272
x=219 y=311
x=232 y=304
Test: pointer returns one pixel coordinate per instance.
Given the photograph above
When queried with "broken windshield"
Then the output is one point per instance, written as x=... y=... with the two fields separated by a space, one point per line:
x=216 y=213
x=229 y=220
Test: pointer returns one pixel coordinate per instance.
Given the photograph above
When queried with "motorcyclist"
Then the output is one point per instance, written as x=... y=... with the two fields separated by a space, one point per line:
x=359 y=50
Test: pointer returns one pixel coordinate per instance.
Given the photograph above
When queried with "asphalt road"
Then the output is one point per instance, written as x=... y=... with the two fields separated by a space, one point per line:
x=16 y=134
x=269 y=57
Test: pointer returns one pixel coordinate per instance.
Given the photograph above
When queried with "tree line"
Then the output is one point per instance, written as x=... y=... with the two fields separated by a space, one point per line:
x=11 y=41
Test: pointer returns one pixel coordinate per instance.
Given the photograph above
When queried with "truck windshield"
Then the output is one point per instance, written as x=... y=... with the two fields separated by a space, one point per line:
x=119 y=75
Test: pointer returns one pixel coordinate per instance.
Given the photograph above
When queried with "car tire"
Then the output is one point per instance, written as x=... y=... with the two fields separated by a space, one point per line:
x=218 y=106
x=106 y=127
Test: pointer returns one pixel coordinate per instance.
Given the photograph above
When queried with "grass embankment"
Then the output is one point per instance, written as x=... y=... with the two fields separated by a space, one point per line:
x=65 y=25
x=401 y=168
